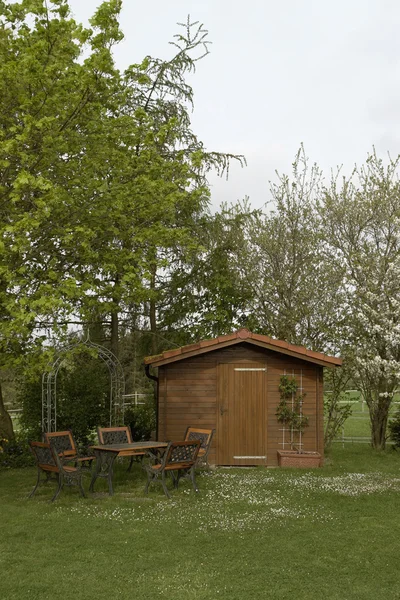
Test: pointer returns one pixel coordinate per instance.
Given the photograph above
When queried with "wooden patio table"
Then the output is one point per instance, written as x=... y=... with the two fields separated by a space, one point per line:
x=106 y=455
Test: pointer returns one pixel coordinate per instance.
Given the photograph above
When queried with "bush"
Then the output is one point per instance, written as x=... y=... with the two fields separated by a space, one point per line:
x=15 y=453
x=394 y=428
x=141 y=419
x=337 y=408
x=83 y=385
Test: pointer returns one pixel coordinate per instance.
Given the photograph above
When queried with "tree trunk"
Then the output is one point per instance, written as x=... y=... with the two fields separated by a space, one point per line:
x=379 y=398
x=153 y=310
x=379 y=421
x=153 y=327
x=115 y=317
x=114 y=332
x=6 y=424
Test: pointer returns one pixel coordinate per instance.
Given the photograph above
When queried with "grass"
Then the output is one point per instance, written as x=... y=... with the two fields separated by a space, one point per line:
x=250 y=534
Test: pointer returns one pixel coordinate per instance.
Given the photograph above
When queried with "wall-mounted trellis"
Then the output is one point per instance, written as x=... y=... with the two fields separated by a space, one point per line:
x=49 y=384
x=290 y=430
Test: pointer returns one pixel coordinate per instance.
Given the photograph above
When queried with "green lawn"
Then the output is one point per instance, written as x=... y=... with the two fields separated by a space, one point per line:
x=250 y=534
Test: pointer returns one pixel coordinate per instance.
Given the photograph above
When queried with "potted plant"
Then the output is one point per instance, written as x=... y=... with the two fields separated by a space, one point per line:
x=290 y=414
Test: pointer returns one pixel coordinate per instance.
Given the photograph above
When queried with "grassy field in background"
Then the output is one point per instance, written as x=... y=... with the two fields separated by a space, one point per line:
x=249 y=534
x=358 y=424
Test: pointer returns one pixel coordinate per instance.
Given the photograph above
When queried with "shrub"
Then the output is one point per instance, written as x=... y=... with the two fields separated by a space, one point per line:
x=15 y=453
x=394 y=428
x=141 y=419
x=82 y=398
x=337 y=408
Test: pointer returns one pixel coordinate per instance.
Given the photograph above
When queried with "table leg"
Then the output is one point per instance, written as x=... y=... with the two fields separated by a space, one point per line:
x=104 y=468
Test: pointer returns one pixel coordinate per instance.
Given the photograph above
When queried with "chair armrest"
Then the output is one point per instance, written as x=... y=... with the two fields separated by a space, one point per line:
x=66 y=459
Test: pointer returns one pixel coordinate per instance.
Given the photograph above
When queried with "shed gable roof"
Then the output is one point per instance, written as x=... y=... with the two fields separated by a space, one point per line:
x=242 y=335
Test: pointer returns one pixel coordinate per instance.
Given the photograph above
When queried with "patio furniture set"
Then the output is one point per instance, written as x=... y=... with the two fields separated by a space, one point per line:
x=57 y=458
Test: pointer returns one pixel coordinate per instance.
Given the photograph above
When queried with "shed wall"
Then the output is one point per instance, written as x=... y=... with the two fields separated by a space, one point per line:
x=188 y=395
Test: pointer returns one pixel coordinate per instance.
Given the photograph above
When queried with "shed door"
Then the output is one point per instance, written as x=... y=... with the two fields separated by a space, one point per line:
x=241 y=414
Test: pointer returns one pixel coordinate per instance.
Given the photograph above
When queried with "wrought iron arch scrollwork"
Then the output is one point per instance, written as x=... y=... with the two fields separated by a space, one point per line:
x=49 y=384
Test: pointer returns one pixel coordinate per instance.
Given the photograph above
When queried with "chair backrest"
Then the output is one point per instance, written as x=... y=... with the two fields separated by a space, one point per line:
x=181 y=452
x=44 y=456
x=114 y=435
x=204 y=435
x=63 y=442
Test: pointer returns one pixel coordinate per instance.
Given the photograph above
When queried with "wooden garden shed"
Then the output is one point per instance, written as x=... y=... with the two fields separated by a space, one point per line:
x=231 y=384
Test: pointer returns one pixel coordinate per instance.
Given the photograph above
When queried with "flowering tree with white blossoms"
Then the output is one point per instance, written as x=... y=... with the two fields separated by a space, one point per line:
x=362 y=227
x=377 y=356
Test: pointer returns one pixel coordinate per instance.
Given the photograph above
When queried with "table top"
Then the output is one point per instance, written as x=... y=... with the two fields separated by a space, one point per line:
x=134 y=446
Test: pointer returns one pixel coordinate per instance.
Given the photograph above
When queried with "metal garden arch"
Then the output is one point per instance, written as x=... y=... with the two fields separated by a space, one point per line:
x=49 y=384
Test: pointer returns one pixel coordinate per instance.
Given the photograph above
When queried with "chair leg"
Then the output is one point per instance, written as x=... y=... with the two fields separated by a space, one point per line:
x=36 y=486
x=149 y=479
x=82 y=491
x=164 y=485
x=130 y=464
x=59 y=488
x=175 y=479
x=193 y=479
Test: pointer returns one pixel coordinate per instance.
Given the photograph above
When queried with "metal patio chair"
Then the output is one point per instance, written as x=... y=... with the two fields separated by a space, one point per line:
x=205 y=436
x=49 y=463
x=119 y=435
x=64 y=443
x=179 y=459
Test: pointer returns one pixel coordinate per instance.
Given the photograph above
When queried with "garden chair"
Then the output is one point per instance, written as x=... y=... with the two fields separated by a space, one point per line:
x=205 y=436
x=49 y=463
x=65 y=445
x=179 y=459
x=119 y=435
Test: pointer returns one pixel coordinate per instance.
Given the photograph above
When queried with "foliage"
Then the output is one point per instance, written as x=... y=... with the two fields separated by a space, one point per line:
x=141 y=419
x=101 y=175
x=394 y=429
x=213 y=299
x=55 y=89
x=82 y=398
x=361 y=220
x=15 y=453
x=289 y=410
x=6 y=425
x=100 y=168
x=336 y=413
x=293 y=293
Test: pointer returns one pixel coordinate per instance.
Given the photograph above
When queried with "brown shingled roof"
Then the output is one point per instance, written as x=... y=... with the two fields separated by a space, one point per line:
x=242 y=335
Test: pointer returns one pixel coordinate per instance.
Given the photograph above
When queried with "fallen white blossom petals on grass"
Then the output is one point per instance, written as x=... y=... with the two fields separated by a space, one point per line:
x=246 y=501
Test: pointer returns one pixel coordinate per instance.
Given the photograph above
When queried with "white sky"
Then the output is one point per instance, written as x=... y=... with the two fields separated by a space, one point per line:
x=322 y=72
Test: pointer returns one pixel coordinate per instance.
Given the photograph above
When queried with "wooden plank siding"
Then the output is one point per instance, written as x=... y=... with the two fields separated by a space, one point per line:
x=188 y=395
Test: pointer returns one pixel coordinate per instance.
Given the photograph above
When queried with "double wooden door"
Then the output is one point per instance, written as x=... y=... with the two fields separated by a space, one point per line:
x=241 y=414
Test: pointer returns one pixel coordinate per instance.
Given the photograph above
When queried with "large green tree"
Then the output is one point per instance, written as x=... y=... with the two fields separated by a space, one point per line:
x=212 y=297
x=101 y=175
x=49 y=98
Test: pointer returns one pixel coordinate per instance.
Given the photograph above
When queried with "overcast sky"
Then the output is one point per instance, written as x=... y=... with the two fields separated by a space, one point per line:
x=281 y=72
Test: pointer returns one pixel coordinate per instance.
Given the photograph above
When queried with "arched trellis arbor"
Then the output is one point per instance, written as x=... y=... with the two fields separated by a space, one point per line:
x=49 y=384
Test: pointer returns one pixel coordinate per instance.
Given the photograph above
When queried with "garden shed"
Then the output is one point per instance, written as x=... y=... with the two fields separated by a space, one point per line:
x=231 y=384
